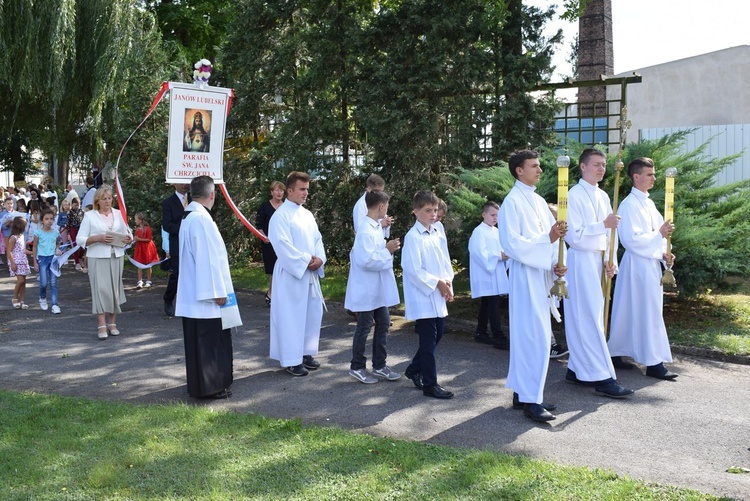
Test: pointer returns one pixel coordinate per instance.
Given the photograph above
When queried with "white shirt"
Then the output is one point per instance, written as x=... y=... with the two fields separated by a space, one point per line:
x=204 y=266
x=425 y=261
x=487 y=272
x=94 y=224
x=371 y=283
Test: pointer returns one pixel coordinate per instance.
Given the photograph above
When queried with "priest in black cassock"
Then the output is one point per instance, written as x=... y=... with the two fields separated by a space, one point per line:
x=203 y=288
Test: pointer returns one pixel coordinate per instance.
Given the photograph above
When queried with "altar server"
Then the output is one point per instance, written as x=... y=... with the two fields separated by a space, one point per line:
x=590 y=223
x=528 y=235
x=297 y=312
x=371 y=289
x=203 y=288
x=638 y=329
x=374 y=182
x=488 y=276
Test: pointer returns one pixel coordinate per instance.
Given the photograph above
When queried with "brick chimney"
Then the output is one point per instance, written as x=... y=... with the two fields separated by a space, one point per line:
x=595 y=54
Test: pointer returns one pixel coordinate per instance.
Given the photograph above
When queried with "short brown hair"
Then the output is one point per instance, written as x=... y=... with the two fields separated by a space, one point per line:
x=518 y=158
x=376 y=197
x=490 y=205
x=425 y=197
x=294 y=176
x=375 y=182
x=637 y=165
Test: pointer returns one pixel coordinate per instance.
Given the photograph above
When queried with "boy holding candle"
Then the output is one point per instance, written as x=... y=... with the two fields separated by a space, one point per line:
x=638 y=329
x=528 y=235
x=590 y=221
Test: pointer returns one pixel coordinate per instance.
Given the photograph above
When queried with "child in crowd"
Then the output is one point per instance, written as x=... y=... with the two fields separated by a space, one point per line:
x=6 y=219
x=488 y=277
x=371 y=289
x=428 y=277
x=46 y=247
x=75 y=216
x=145 y=248
x=18 y=262
x=442 y=211
x=35 y=221
x=62 y=221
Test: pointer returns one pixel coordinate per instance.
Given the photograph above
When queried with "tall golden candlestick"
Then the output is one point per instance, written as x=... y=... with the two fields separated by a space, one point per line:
x=624 y=124
x=563 y=162
x=668 y=278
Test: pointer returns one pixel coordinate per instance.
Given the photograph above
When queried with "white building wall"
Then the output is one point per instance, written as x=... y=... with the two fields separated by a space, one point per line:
x=723 y=140
x=709 y=92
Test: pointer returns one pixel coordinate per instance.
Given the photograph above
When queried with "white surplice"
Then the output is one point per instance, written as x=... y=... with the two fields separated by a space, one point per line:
x=524 y=223
x=638 y=329
x=425 y=261
x=371 y=283
x=488 y=275
x=297 y=306
x=588 y=239
x=204 y=266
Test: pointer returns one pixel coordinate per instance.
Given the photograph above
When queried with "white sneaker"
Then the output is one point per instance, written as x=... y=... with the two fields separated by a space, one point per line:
x=148 y=284
x=362 y=376
x=43 y=304
x=56 y=309
x=139 y=285
x=78 y=267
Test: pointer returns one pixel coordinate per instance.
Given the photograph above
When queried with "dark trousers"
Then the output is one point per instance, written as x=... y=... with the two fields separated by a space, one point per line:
x=171 y=291
x=208 y=356
x=430 y=331
x=489 y=309
x=364 y=323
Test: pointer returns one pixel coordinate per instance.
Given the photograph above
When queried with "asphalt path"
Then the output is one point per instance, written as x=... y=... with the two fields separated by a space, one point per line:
x=684 y=433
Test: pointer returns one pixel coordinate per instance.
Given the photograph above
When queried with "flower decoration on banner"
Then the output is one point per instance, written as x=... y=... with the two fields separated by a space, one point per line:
x=202 y=72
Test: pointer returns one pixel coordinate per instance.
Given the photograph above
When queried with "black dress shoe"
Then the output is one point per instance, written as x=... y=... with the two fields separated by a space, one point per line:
x=310 y=363
x=501 y=343
x=437 y=391
x=518 y=405
x=169 y=309
x=225 y=393
x=297 y=370
x=415 y=377
x=571 y=377
x=619 y=363
x=660 y=372
x=537 y=413
x=612 y=389
x=483 y=338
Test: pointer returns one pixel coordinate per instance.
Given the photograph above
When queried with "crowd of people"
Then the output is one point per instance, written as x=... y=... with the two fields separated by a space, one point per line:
x=513 y=254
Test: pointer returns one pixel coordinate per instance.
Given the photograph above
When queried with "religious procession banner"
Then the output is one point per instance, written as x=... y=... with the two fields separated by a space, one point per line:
x=197 y=123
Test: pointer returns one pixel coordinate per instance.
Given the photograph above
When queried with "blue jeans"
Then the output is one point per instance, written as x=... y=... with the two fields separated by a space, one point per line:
x=379 y=339
x=430 y=331
x=45 y=276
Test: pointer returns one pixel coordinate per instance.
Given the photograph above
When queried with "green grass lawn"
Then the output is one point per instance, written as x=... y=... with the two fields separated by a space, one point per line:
x=719 y=321
x=70 y=448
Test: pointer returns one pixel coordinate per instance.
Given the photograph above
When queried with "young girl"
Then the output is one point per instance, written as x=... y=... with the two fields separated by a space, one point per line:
x=46 y=247
x=145 y=249
x=18 y=262
x=75 y=216
x=34 y=221
x=62 y=220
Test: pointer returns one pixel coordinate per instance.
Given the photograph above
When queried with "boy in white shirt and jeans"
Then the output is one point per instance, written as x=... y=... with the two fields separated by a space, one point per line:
x=428 y=277
x=371 y=289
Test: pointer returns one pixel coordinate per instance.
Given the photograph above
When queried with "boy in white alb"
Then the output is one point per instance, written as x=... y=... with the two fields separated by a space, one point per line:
x=428 y=277
x=529 y=234
x=371 y=289
x=488 y=276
